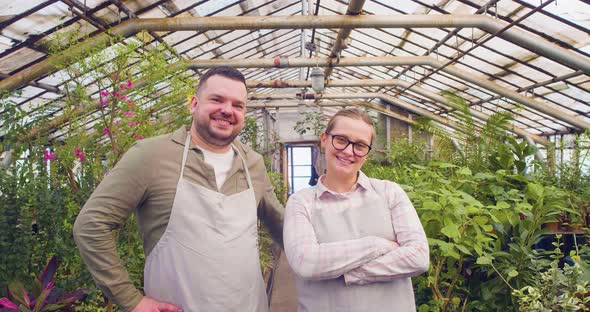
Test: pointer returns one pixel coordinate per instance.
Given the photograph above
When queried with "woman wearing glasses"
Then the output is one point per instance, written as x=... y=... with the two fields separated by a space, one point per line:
x=353 y=242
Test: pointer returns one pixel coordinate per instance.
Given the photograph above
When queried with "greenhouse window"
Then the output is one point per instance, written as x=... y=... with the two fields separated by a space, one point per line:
x=299 y=167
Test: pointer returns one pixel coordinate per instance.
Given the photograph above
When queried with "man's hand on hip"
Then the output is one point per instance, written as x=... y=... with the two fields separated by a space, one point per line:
x=150 y=305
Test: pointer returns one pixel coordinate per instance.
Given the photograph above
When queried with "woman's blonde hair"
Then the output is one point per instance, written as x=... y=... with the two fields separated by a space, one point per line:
x=353 y=113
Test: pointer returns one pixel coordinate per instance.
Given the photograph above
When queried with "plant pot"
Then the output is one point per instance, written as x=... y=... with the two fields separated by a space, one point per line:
x=552 y=226
x=577 y=227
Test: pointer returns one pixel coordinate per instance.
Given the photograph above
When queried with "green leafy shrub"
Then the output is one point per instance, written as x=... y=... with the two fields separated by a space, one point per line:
x=556 y=288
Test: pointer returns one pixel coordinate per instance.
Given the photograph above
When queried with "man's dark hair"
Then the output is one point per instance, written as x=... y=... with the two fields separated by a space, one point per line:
x=225 y=71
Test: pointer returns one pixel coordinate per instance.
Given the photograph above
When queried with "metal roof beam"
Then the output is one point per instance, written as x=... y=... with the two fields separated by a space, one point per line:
x=279 y=62
x=355 y=7
x=129 y=27
x=367 y=95
x=388 y=82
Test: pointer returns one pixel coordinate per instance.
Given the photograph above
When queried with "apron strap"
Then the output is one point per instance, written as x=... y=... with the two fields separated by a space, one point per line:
x=383 y=197
x=245 y=166
x=184 y=154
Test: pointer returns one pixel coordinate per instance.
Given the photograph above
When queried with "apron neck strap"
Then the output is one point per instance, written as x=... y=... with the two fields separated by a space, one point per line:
x=185 y=153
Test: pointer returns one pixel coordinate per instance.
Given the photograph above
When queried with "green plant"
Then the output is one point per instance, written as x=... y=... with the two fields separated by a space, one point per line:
x=556 y=289
x=313 y=122
x=250 y=132
x=43 y=296
x=572 y=177
x=482 y=228
x=43 y=190
x=512 y=156
x=406 y=152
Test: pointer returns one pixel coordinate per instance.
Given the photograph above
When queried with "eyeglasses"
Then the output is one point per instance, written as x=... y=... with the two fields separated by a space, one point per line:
x=358 y=148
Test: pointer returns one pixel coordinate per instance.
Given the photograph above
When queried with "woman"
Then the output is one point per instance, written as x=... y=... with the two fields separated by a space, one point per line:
x=353 y=242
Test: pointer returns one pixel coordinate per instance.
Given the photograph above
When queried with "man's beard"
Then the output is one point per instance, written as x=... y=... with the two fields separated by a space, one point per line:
x=204 y=130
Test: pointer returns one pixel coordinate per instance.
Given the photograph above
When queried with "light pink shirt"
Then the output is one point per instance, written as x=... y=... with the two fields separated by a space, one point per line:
x=364 y=260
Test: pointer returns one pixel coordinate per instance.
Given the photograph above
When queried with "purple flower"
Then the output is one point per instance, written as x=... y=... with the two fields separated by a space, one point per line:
x=49 y=155
x=79 y=153
x=106 y=131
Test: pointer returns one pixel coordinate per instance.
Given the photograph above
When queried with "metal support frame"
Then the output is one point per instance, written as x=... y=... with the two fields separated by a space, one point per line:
x=338 y=104
x=386 y=98
x=294 y=62
x=132 y=26
x=355 y=7
x=304 y=12
x=460 y=53
x=388 y=82
x=280 y=62
x=368 y=95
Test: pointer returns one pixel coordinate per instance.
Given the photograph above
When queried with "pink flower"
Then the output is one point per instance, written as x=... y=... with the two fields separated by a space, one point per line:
x=79 y=153
x=122 y=87
x=128 y=114
x=104 y=93
x=124 y=98
x=138 y=137
x=49 y=155
x=118 y=94
x=129 y=83
x=104 y=101
x=133 y=123
x=106 y=131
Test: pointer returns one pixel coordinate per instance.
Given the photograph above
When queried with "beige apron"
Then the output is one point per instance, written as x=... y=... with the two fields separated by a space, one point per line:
x=371 y=217
x=207 y=259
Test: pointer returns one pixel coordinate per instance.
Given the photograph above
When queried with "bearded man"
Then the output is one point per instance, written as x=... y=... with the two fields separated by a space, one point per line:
x=197 y=194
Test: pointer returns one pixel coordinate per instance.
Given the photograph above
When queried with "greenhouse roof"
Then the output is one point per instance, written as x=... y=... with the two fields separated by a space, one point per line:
x=531 y=58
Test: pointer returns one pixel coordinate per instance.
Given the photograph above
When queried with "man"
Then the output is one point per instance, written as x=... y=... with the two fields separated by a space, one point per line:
x=196 y=193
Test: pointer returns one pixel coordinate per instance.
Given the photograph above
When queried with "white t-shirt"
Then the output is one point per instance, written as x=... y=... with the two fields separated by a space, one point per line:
x=221 y=164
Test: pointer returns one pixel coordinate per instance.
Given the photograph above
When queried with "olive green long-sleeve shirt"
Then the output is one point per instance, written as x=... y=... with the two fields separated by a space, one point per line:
x=144 y=181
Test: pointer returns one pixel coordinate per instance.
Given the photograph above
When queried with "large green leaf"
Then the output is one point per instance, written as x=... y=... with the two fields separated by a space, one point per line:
x=19 y=293
x=484 y=260
x=451 y=231
x=448 y=250
x=481 y=220
x=464 y=171
x=430 y=205
x=463 y=249
x=534 y=191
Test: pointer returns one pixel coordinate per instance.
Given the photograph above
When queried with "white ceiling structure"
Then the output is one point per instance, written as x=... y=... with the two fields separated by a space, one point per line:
x=528 y=57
